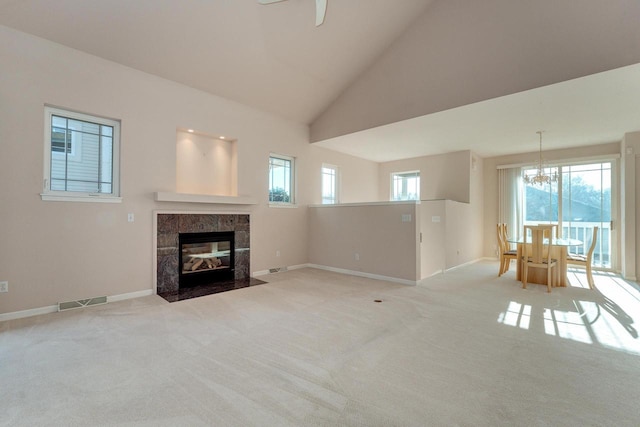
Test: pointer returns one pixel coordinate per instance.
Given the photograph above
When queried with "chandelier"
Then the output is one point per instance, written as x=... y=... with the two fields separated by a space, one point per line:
x=541 y=177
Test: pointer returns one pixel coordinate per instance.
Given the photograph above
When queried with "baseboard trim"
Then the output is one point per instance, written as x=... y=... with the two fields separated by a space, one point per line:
x=28 y=313
x=286 y=268
x=54 y=308
x=463 y=265
x=130 y=295
x=260 y=273
x=342 y=271
x=362 y=274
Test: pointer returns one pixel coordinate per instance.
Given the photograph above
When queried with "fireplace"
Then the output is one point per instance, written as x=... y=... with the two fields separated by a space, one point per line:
x=206 y=257
x=172 y=228
x=185 y=239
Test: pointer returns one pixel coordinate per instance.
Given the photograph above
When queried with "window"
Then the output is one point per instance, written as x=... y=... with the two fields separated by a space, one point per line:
x=81 y=157
x=405 y=186
x=281 y=179
x=329 y=184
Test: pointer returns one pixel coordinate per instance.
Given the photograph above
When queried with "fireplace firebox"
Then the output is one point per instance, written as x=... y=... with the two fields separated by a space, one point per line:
x=206 y=258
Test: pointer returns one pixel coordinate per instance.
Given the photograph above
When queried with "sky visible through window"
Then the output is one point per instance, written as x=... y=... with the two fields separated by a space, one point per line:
x=280 y=177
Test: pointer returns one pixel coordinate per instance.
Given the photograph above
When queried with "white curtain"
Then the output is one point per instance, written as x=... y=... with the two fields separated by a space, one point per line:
x=510 y=200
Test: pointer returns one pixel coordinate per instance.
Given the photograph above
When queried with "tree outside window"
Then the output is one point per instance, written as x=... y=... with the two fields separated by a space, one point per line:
x=281 y=179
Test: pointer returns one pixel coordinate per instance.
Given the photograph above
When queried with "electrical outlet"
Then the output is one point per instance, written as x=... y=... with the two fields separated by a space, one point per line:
x=277 y=253
x=131 y=217
x=357 y=256
x=4 y=286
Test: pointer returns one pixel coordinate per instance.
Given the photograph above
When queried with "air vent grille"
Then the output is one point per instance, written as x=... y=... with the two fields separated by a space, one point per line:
x=70 y=305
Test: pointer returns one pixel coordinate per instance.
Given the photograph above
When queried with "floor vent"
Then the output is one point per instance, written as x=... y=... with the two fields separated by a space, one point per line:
x=277 y=270
x=69 y=305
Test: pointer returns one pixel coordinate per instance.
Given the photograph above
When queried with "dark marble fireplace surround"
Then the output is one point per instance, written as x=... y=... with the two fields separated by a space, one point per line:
x=170 y=225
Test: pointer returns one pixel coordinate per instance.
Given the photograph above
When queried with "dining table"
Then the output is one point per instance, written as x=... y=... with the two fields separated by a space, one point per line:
x=559 y=250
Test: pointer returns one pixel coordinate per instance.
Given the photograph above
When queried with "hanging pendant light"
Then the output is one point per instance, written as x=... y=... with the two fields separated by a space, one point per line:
x=541 y=178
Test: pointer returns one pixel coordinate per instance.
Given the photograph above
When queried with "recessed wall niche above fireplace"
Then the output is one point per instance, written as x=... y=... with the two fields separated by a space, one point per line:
x=201 y=250
x=206 y=164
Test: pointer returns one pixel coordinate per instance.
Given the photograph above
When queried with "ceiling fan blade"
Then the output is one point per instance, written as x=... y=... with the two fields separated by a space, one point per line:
x=321 y=11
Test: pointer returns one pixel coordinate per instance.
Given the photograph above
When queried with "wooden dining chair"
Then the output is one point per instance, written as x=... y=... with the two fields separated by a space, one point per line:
x=506 y=254
x=585 y=260
x=537 y=253
x=500 y=248
x=548 y=233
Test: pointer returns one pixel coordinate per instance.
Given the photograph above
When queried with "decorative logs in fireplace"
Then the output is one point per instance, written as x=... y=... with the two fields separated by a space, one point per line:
x=206 y=257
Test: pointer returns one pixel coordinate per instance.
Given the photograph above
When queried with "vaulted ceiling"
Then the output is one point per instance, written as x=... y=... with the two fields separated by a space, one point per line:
x=423 y=75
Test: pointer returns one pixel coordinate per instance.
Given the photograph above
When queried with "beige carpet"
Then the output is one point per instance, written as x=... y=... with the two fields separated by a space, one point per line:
x=312 y=348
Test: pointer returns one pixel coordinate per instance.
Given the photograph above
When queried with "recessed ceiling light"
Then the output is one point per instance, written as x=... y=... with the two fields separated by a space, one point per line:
x=222 y=137
x=190 y=130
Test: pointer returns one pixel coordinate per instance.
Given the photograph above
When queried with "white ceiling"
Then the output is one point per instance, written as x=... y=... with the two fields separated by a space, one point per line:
x=273 y=58
x=590 y=110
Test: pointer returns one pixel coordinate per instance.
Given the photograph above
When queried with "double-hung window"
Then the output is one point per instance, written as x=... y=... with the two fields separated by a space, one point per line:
x=329 y=184
x=405 y=185
x=81 y=157
x=281 y=180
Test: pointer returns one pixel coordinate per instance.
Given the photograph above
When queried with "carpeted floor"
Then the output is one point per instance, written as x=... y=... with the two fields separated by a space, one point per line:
x=312 y=348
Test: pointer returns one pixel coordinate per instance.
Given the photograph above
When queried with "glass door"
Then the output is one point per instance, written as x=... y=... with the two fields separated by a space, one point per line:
x=586 y=203
x=578 y=202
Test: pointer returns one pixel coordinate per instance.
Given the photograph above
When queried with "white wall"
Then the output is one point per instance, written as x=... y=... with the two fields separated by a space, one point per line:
x=433 y=220
x=461 y=234
x=59 y=251
x=444 y=176
x=370 y=238
x=456 y=180
x=630 y=205
x=357 y=178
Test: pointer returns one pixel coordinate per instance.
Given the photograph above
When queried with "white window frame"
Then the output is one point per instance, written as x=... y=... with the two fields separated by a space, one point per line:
x=292 y=181
x=392 y=186
x=77 y=196
x=336 y=183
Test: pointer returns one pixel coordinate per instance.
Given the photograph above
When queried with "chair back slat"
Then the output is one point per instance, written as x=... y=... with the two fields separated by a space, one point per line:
x=538 y=248
x=593 y=243
x=499 y=236
x=505 y=238
x=538 y=251
x=549 y=231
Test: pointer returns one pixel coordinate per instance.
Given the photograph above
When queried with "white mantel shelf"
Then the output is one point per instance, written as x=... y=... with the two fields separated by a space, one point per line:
x=203 y=198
